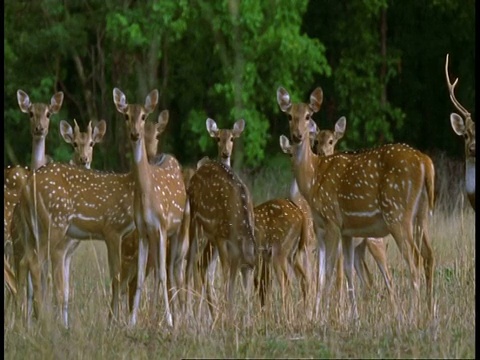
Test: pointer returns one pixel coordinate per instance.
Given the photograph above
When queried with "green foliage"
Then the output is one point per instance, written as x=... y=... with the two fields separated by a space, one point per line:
x=225 y=60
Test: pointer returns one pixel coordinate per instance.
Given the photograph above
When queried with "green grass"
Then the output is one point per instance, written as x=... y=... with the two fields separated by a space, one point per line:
x=269 y=333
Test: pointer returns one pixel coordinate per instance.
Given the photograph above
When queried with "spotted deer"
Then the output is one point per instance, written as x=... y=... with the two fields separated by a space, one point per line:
x=83 y=142
x=159 y=202
x=372 y=193
x=464 y=127
x=176 y=255
x=281 y=232
x=221 y=209
x=14 y=176
x=324 y=145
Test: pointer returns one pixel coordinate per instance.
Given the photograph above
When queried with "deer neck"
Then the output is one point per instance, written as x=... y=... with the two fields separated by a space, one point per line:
x=470 y=175
x=304 y=161
x=141 y=167
x=38 y=153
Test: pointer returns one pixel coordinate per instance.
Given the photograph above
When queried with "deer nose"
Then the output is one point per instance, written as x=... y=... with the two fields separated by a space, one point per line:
x=134 y=136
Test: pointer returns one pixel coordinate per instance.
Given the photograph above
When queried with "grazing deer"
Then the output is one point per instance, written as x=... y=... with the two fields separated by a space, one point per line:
x=176 y=255
x=324 y=145
x=372 y=193
x=467 y=130
x=83 y=142
x=221 y=209
x=159 y=201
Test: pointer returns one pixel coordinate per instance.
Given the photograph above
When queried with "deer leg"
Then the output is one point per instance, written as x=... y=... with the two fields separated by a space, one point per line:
x=360 y=266
x=114 y=258
x=163 y=271
x=321 y=249
x=191 y=262
x=301 y=274
x=349 y=254
x=142 y=262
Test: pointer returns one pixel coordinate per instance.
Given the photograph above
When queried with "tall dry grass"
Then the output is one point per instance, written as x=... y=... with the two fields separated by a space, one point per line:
x=272 y=333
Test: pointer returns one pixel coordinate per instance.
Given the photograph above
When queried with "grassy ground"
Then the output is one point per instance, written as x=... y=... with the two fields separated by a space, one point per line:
x=271 y=333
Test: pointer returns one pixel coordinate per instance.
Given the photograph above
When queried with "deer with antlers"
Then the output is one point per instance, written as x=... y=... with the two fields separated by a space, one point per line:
x=159 y=201
x=464 y=127
x=372 y=193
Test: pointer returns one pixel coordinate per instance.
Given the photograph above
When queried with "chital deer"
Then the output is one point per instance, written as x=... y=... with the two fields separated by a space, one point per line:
x=83 y=142
x=324 y=145
x=15 y=176
x=83 y=153
x=159 y=201
x=369 y=194
x=176 y=254
x=61 y=202
x=281 y=232
x=467 y=130
x=222 y=210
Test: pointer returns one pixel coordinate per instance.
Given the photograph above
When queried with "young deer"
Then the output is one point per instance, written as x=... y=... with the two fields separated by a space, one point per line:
x=373 y=193
x=467 y=130
x=83 y=142
x=324 y=145
x=159 y=202
x=222 y=210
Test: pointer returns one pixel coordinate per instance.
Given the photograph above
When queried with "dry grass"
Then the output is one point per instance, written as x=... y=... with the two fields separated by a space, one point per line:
x=271 y=333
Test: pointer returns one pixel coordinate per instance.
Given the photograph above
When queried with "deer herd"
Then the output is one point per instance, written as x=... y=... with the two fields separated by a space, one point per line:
x=159 y=216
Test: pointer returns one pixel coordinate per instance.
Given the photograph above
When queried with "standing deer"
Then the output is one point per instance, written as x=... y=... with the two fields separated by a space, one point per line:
x=222 y=210
x=467 y=130
x=176 y=254
x=324 y=145
x=369 y=194
x=158 y=194
x=15 y=176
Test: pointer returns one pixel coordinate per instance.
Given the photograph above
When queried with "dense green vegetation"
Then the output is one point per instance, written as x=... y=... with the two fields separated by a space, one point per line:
x=380 y=63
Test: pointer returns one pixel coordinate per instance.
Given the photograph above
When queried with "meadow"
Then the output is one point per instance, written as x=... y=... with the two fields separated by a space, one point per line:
x=270 y=333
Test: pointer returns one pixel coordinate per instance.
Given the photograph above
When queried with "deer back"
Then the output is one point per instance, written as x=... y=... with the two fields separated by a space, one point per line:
x=222 y=205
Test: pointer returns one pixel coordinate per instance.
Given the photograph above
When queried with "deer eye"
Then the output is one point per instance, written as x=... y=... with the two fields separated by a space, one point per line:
x=30 y=113
x=330 y=142
x=48 y=114
x=75 y=144
x=290 y=118
x=307 y=116
x=127 y=117
x=144 y=116
x=91 y=143
x=231 y=139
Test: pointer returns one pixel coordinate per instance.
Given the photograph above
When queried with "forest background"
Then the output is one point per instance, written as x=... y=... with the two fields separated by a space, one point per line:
x=380 y=63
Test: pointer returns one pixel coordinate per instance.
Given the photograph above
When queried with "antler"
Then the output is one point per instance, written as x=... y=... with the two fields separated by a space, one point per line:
x=451 y=90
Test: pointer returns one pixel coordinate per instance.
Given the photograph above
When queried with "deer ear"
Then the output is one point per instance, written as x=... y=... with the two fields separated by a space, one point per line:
x=151 y=101
x=120 y=100
x=66 y=131
x=457 y=124
x=23 y=101
x=99 y=131
x=283 y=99
x=285 y=144
x=340 y=126
x=162 y=121
x=238 y=128
x=316 y=99
x=56 y=102
x=212 y=127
